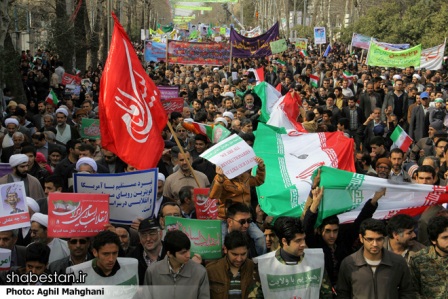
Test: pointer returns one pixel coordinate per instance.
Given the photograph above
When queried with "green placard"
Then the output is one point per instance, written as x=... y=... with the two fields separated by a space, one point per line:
x=90 y=128
x=278 y=46
x=378 y=56
x=205 y=235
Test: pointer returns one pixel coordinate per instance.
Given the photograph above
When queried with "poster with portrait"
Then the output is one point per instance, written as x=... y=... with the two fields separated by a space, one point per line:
x=320 y=36
x=14 y=211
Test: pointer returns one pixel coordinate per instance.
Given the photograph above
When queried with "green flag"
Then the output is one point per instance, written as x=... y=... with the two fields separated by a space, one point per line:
x=219 y=133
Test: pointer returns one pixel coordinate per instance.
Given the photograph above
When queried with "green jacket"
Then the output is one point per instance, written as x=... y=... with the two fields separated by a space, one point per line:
x=429 y=274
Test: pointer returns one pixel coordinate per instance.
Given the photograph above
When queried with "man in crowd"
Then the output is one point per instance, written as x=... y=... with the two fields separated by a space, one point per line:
x=176 y=276
x=391 y=277
x=79 y=253
x=428 y=266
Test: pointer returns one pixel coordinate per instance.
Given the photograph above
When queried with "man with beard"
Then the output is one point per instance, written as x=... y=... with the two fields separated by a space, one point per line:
x=372 y=271
x=398 y=174
x=382 y=168
x=39 y=233
x=19 y=164
x=429 y=266
x=65 y=132
x=149 y=250
x=401 y=236
x=12 y=125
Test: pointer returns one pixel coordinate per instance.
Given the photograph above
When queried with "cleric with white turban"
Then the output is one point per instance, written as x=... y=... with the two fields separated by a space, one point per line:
x=86 y=161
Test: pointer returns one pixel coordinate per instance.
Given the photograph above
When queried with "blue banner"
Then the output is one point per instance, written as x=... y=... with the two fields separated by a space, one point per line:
x=155 y=51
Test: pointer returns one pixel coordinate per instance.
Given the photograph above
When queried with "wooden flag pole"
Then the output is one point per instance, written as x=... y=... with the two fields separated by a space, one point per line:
x=181 y=148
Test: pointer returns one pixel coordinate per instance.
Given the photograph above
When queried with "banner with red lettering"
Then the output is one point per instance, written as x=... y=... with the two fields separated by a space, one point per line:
x=77 y=214
x=198 y=53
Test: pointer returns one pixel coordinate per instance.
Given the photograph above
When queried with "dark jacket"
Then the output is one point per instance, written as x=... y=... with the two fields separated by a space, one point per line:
x=219 y=278
x=391 y=279
x=344 y=243
x=137 y=253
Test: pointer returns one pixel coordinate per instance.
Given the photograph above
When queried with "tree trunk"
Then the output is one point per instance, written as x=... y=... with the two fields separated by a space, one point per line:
x=102 y=22
x=4 y=20
x=329 y=25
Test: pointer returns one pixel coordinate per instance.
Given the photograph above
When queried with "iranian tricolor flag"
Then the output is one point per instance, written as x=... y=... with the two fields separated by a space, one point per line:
x=401 y=139
x=290 y=161
x=314 y=81
x=269 y=96
x=303 y=53
x=346 y=195
x=258 y=73
x=347 y=75
x=285 y=112
x=52 y=98
x=199 y=128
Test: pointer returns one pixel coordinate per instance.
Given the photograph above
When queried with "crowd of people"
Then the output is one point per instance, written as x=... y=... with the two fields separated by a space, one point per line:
x=400 y=258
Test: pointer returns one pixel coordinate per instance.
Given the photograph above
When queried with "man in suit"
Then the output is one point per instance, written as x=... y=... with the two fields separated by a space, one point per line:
x=356 y=118
x=79 y=253
x=8 y=239
x=44 y=147
x=369 y=100
x=419 y=125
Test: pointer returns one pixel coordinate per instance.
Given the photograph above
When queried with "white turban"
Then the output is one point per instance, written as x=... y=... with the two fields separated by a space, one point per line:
x=417 y=76
x=17 y=159
x=40 y=218
x=396 y=77
x=229 y=94
x=161 y=177
x=31 y=203
x=11 y=120
x=88 y=161
x=221 y=119
x=228 y=114
x=215 y=69
x=63 y=111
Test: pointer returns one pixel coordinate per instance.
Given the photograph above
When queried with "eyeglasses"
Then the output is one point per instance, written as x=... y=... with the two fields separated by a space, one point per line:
x=76 y=241
x=243 y=221
x=151 y=233
x=371 y=240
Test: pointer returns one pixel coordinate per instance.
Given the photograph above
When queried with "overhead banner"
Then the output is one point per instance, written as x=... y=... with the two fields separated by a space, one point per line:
x=432 y=58
x=378 y=56
x=131 y=194
x=77 y=215
x=168 y=92
x=207 y=1
x=187 y=7
x=244 y=47
x=198 y=53
x=363 y=42
x=155 y=51
x=205 y=235
x=320 y=36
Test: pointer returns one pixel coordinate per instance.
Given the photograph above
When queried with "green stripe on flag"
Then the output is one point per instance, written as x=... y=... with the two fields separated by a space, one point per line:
x=278 y=192
x=396 y=133
x=344 y=194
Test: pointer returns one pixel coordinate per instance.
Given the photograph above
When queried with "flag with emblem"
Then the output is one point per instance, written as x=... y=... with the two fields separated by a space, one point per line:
x=290 y=162
x=346 y=196
x=131 y=115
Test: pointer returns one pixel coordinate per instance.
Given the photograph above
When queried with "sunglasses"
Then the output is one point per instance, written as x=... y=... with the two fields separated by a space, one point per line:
x=75 y=241
x=243 y=221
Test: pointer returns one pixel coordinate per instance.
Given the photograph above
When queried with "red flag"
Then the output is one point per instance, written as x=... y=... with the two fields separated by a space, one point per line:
x=131 y=113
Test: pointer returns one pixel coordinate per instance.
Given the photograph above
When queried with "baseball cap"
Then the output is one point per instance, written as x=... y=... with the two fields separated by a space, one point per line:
x=424 y=95
x=148 y=224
